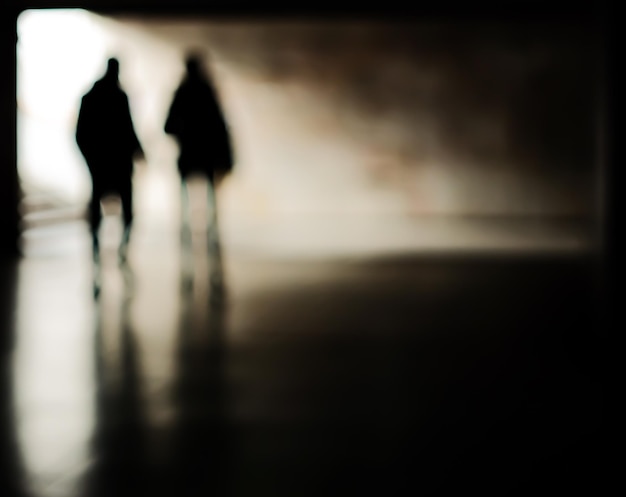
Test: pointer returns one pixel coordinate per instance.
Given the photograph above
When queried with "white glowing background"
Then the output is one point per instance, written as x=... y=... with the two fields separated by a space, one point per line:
x=53 y=69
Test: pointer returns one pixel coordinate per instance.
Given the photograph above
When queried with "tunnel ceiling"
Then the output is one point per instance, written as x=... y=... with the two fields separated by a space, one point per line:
x=582 y=10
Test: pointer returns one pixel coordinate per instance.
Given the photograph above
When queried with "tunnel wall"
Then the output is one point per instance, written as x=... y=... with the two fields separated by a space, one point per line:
x=419 y=118
x=434 y=118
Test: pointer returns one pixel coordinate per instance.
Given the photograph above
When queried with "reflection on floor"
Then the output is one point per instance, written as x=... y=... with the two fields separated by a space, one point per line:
x=297 y=377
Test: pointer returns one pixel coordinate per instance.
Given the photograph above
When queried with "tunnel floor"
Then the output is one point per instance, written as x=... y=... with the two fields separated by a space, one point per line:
x=391 y=375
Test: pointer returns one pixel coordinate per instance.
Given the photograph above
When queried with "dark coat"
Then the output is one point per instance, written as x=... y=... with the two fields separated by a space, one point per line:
x=196 y=120
x=105 y=134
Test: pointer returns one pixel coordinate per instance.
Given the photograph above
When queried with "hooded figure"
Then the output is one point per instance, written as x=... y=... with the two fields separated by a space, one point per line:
x=106 y=137
x=195 y=119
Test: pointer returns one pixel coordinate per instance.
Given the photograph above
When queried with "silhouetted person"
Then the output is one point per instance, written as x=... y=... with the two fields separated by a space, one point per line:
x=195 y=119
x=106 y=138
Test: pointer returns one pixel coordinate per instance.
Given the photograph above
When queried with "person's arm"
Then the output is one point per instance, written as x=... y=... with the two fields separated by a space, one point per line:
x=134 y=144
x=81 y=129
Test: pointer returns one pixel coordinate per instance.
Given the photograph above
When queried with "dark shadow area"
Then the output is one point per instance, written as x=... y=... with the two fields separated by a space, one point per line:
x=203 y=435
x=11 y=476
x=429 y=377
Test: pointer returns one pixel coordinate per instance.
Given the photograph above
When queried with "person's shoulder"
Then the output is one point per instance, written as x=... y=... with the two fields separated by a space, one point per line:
x=184 y=86
x=183 y=92
x=117 y=96
x=95 y=91
x=91 y=90
x=88 y=96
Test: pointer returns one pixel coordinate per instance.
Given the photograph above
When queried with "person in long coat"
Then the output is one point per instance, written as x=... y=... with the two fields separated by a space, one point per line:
x=106 y=137
x=196 y=120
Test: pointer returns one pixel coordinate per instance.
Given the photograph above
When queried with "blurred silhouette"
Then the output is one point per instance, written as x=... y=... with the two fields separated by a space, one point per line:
x=121 y=435
x=106 y=137
x=195 y=119
x=203 y=434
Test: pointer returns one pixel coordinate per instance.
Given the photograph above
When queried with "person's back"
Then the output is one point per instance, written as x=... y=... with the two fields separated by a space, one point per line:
x=105 y=133
x=196 y=120
x=106 y=137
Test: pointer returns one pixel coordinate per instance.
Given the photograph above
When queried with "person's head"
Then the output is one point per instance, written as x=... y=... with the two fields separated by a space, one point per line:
x=193 y=63
x=113 y=69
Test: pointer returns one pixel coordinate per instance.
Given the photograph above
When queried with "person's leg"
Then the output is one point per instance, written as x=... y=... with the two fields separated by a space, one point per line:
x=213 y=232
x=217 y=290
x=187 y=267
x=126 y=196
x=185 y=211
x=212 y=201
x=95 y=215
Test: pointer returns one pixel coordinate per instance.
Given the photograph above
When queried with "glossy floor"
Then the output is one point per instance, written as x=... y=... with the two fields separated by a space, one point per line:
x=240 y=375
